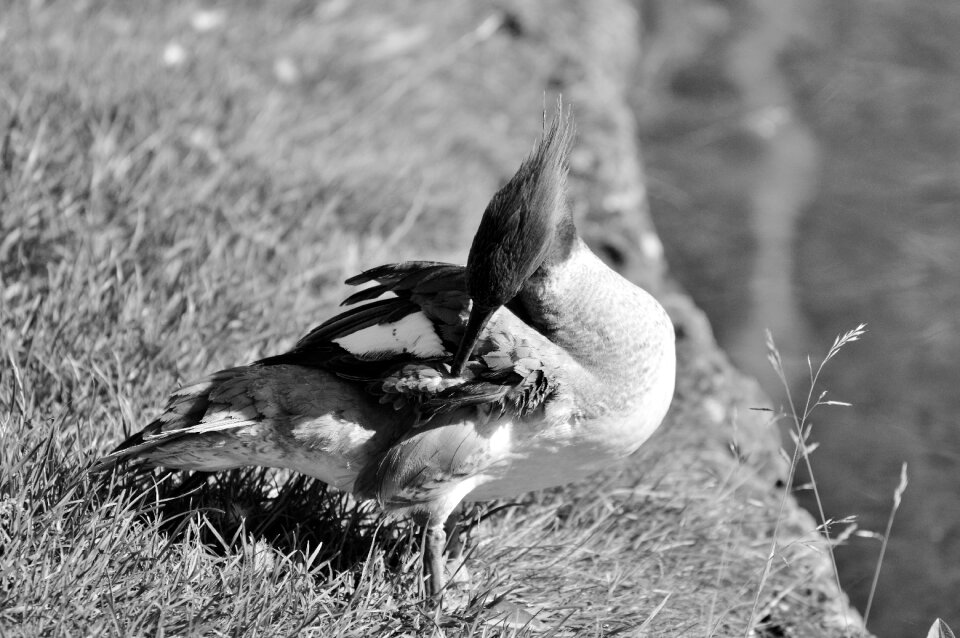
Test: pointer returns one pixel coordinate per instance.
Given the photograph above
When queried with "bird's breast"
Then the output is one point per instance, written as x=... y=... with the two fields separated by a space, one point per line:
x=532 y=456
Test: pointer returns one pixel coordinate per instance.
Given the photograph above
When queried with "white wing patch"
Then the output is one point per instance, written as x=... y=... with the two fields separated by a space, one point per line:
x=413 y=334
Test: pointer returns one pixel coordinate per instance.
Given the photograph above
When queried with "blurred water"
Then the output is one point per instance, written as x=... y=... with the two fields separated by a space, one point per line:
x=805 y=177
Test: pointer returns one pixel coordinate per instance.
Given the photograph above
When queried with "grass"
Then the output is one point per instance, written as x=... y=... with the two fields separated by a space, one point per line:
x=161 y=221
x=802 y=430
x=804 y=447
x=897 y=499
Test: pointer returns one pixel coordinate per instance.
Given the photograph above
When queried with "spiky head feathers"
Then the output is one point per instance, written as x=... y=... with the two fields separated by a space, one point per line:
x=525 y=222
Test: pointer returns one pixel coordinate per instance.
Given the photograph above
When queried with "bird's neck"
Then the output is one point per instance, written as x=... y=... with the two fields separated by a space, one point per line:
x=564 y=244
x=612 y=328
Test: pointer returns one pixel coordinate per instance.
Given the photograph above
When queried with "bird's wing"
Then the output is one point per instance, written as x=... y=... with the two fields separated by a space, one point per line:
x=398 y=349
x=401 y=346
x=422 y=321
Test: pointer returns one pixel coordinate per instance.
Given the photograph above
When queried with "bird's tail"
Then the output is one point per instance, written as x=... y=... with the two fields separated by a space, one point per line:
x=184 y=410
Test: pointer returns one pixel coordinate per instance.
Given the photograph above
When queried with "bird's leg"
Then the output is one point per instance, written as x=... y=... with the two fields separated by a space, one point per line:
x=457 y=539
x=436 y=539
x=452 y=530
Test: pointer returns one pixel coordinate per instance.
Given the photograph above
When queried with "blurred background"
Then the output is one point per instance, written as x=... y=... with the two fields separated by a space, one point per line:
x=803 y=162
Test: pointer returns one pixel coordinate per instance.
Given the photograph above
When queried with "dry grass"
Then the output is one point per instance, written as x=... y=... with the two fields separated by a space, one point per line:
x=159 y=221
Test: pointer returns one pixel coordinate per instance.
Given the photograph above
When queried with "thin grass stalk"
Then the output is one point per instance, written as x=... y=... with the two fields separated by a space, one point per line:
x=802 y=450
x=897 y=497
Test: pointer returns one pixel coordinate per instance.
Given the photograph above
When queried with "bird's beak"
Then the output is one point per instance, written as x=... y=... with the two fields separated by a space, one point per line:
x=475 y=324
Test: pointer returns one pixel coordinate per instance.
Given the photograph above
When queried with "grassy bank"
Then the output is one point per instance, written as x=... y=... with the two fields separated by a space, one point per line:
x=183 y=190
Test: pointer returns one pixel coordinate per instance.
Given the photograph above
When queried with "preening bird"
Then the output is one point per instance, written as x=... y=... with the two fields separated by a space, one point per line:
x=533 y=366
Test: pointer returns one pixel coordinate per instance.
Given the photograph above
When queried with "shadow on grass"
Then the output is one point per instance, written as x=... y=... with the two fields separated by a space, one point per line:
x=296 y=515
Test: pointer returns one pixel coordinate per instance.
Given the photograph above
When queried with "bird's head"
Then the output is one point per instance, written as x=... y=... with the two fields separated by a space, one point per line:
x=526 y=225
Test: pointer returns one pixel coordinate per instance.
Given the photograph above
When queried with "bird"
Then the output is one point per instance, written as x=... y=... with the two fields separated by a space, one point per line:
x=531 y=367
